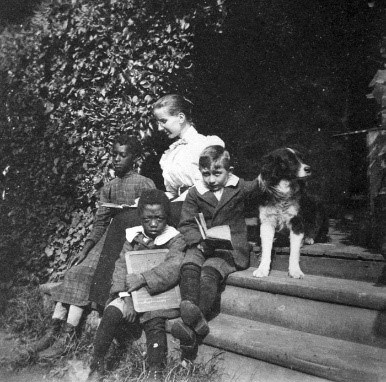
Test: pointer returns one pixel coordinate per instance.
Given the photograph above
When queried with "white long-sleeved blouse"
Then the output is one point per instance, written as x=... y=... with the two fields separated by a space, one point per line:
x=179 y=163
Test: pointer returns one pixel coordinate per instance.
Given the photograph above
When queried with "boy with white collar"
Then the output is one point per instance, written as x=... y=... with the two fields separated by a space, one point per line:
x=220 y=198
x=154 y=232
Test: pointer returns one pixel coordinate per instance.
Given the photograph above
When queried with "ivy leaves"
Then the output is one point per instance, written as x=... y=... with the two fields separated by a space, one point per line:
x=76 y=75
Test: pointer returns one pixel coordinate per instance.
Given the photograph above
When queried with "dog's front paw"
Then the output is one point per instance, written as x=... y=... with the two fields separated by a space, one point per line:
x=261 y=272
x=309 y=241
x=296 y=273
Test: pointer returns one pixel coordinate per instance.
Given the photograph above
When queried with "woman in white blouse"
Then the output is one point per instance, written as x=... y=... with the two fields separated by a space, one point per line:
x=179 y=163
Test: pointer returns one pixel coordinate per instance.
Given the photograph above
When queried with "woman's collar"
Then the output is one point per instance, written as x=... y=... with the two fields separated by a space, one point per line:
x=189 y=134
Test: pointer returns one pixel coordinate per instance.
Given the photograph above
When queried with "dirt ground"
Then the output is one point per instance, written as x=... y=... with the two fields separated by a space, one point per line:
x=74 y=371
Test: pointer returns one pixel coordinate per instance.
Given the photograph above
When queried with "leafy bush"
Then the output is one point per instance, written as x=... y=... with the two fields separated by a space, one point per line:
x=74 y=76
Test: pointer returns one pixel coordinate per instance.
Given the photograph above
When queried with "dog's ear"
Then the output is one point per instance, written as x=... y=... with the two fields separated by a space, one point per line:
x=271 y=168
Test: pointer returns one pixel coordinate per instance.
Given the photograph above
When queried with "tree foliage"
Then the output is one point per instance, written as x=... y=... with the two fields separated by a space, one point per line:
x=74 y=76
x=261 y=74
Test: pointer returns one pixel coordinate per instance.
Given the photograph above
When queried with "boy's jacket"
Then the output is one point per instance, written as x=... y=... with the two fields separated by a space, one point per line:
x=229 y=210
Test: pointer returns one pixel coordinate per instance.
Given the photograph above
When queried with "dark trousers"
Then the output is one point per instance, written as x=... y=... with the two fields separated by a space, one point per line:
x=155 y=331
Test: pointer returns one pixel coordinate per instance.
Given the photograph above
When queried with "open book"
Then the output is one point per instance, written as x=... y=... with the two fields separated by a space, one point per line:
x=218 y=237
x=140 y=261
x=113 y=205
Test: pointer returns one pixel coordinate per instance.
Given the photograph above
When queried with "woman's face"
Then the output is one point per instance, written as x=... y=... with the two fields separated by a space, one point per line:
x=171 y=124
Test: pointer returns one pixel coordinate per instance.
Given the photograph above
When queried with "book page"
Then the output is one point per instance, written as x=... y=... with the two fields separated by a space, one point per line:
x=113 y=205
x=140 y=261
x=219 y=232
x=200 y=228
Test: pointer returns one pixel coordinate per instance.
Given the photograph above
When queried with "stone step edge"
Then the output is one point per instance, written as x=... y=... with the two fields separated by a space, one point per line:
x=337 y=360
x=328 y=289
x=326 y=250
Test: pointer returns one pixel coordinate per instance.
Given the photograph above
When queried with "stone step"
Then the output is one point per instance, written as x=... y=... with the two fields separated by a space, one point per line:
x=345 y=309
x=329 y=264
x=338 y=258
x=317 y=317
x=232 y=367
x=324 y=357
x=347 y=292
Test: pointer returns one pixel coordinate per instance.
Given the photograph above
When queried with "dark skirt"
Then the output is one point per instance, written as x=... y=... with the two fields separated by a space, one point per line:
x=116 y=235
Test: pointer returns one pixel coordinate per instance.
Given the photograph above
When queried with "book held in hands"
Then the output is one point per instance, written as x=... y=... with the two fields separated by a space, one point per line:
x=218 y=237
x=141 y=261
x=114 y=205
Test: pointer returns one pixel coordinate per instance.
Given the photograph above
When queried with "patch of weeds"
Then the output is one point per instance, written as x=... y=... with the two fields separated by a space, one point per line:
x=133 y=368
x=24 y=319
x=27 y=318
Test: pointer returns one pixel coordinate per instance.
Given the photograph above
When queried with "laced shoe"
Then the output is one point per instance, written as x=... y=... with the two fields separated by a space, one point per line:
x=154 y=376
x=97 y=371
x=192 y=316
x=49 y=338
x=115 y=355
x=63 y=343
x=188 y=340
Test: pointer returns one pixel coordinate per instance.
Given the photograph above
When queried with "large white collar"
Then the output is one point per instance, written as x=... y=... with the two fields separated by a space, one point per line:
x=168 y=233
x=201 y=187
x=189 y=134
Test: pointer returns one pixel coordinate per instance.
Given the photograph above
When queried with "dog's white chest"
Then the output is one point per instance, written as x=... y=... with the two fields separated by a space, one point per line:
x=279 y=214
x=284 y=187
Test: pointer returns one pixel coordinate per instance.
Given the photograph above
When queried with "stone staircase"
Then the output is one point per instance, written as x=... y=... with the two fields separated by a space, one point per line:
x=330 y=325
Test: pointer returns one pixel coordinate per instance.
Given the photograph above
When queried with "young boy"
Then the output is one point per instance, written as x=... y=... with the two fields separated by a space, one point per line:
x=154 y=232
x=72 y=295
x=220 y=197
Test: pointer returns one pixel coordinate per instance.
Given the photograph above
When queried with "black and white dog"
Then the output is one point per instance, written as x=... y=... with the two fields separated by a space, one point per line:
x=285 y=206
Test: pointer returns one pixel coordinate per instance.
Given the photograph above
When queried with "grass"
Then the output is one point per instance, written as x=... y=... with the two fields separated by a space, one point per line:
x=27 y=318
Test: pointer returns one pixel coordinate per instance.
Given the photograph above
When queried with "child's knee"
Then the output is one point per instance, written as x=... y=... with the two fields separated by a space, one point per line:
x=190 y=268
x=113 y=307
x=211 y=274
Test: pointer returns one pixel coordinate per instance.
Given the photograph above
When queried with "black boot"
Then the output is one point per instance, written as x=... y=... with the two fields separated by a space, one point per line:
x=49 y=338
x=192 y=316
x=155 y=375
x=63 y=344
x=97 y=370
x=188 y=340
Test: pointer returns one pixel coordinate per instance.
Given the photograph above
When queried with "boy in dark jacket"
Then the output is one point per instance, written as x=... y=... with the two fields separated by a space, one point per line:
x=154 y=212
x=220 y=198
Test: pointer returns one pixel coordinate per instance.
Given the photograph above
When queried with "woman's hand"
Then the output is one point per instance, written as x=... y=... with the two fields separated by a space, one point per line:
x=129 y=313
x=134 y=281
x=83 y=254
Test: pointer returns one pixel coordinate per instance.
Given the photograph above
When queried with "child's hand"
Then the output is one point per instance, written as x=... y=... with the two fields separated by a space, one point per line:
x=83 y=254
x=204 y=247
x=128 y=312
x=134 y=281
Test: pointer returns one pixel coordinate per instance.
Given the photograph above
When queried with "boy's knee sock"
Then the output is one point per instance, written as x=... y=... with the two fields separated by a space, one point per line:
x=156 y=342
x=190 y=282
x=210 y=285
x=111 y=319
